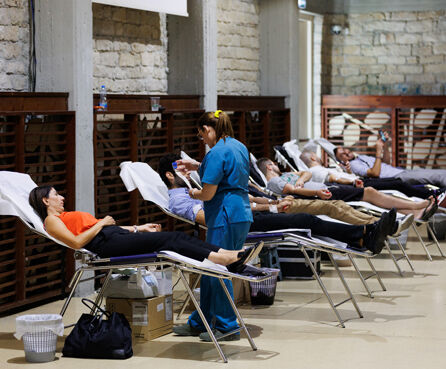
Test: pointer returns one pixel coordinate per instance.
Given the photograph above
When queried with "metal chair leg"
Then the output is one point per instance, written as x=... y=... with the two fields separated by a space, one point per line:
x=100 y=295
x=404 y=253
x=237 y=313
x=324 y=289
x=187 y=299
x=422 y=242
x=395 y=261
x=376 y=274
x=347 y=288
x=203 y=318
x=369 y=292
x=431 y=232
x=73 y=285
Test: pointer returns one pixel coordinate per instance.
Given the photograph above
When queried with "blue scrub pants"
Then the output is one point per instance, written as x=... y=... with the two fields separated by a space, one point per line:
x=213 y=300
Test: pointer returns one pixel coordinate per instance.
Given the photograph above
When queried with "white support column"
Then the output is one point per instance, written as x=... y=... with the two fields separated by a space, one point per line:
x=279 y=53
x=193 y=52
x=64 y=48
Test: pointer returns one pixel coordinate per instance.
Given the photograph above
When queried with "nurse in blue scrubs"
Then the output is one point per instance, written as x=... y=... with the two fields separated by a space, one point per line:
x=224 y=174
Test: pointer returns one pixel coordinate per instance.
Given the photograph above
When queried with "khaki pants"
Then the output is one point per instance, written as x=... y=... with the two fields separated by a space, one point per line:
x=336 y=209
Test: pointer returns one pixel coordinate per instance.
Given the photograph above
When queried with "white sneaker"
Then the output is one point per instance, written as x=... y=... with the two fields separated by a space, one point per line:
x=403 y=224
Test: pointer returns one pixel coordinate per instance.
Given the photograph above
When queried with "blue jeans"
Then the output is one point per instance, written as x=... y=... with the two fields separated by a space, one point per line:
x=213 y=300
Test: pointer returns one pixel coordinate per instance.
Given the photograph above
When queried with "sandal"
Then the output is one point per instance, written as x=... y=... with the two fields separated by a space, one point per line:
x=428 y=213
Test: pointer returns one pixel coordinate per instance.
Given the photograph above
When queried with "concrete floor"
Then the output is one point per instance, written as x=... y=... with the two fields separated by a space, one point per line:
x=403 y=327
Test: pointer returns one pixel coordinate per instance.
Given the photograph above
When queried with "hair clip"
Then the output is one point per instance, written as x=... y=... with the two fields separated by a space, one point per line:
x=217 y=113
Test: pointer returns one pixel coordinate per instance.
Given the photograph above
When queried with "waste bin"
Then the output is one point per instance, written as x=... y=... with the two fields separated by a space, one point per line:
x=39 y=333
x=263 y=293
x=438 y=225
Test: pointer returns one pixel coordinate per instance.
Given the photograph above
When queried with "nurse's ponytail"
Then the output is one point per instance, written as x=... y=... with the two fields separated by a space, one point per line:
x=218 y=120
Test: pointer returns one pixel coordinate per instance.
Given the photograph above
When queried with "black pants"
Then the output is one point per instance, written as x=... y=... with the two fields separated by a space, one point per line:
x=345 y=192
x=347 y=233
x=116 y=241
x=340 y=192
x=397 y=184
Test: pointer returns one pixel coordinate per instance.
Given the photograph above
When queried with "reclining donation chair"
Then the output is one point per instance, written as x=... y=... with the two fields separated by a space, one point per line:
x=289 y=152
x=14 y=192
x=141 y=176
x=328 y=147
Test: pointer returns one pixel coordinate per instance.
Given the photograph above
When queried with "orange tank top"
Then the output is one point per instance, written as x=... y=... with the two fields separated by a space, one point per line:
x=78 y=221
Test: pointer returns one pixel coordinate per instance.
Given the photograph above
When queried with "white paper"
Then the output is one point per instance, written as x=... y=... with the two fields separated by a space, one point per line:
x=139 y=313
x=169 y=308
x=159 y=307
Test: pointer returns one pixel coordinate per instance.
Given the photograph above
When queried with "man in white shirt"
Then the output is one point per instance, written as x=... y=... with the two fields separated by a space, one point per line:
x=290 y=184
x=379 y=166
x=324 y=175
x=332 y=175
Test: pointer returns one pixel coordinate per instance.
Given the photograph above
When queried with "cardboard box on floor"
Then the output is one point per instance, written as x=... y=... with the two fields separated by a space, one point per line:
x=149 y=318
x=241 y=292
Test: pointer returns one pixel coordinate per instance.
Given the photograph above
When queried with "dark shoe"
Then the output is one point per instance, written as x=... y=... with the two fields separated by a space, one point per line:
x=392 y=222
x=218 y=335
x=251 y=271
x=378 y=231
x=186 y=330
x=246 y=256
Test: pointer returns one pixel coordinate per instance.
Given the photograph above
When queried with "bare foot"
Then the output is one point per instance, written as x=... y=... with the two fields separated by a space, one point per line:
x=423 y=204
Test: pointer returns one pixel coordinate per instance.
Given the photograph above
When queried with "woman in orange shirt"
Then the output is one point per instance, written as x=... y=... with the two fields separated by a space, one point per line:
x=81 y=230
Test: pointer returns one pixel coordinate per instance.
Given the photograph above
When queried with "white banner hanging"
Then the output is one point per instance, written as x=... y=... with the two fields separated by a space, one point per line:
x=176 y=7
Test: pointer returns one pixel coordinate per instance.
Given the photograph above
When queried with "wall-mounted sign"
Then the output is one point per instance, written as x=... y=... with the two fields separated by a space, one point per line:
x=302 y=4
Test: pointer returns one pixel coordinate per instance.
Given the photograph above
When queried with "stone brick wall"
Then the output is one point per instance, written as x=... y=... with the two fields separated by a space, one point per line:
x=388 y=53
x=130 y=50
x=238 y=53
x=14 y=45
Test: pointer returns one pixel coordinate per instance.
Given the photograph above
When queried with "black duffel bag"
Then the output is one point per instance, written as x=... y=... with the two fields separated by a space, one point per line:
x=94 y=337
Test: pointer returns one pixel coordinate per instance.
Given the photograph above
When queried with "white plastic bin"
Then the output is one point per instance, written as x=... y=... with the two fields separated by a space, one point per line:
x=39 y=333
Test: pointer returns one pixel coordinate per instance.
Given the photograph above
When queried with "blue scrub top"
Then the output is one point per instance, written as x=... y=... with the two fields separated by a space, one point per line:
x=227 y=166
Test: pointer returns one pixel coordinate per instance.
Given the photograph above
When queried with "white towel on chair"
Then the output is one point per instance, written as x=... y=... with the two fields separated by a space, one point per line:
x=14 y=193
x=146 y=180
x=293 y=151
